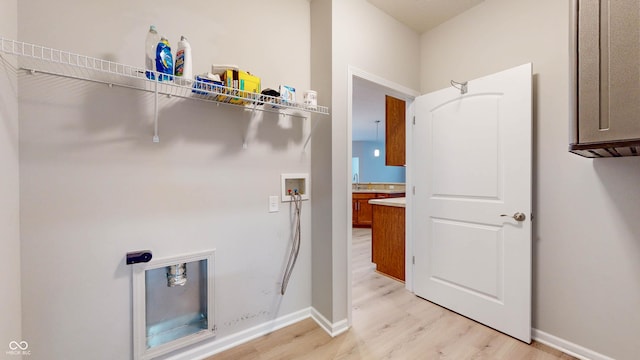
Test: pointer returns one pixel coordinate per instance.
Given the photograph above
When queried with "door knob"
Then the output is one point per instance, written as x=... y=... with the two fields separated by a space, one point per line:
x=517 y=216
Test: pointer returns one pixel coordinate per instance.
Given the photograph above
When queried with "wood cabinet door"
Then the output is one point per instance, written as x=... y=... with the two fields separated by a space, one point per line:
x=395 y=131
x=608 y=70
x=361 y=209
x=365 y=214
x=354 y=212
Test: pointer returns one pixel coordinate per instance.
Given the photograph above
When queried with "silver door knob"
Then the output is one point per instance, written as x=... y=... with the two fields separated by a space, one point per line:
x=517 y=216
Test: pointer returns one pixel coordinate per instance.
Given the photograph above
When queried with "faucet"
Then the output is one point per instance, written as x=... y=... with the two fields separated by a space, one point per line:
x=356 y=180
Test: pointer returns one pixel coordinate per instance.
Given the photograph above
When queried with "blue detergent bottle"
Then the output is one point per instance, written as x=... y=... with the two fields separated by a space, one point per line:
x=164 y=60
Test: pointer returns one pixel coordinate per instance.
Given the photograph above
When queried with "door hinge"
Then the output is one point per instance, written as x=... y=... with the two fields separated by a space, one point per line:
x=414 y=120
x=414 y=190
x=413 y=260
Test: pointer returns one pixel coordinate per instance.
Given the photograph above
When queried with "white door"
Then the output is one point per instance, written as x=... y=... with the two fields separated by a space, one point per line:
x=472 y=166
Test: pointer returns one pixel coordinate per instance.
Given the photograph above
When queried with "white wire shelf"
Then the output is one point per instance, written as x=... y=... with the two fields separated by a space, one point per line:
x=37 y=58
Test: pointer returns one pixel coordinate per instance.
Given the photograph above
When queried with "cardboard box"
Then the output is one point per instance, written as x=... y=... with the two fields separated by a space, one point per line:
x=242 y=81
x=288 y=94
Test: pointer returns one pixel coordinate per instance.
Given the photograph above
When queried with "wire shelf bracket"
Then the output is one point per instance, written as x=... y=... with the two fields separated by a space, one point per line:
x=40 y=59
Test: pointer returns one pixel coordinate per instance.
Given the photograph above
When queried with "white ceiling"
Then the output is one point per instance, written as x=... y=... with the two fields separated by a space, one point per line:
x=423 y=15
x=420 y=15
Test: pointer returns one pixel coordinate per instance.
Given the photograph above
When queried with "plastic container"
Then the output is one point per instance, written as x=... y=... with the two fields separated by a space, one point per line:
x=311 y=99
x=150 y=44
x=288 y=94
x=164 y=60
x=184 y=67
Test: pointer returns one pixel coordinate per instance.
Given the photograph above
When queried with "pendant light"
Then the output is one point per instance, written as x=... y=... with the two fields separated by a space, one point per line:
x=376 y=152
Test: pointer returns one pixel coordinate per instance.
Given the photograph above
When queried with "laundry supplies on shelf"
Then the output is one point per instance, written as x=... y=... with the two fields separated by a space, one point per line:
x=243 y=81
x=150 y=46
x=164 y=60
x=183 y=59
x=288 y=94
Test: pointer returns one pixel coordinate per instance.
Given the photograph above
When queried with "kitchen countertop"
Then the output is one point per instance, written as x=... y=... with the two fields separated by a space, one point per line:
x=396 y=202
x=380 y=191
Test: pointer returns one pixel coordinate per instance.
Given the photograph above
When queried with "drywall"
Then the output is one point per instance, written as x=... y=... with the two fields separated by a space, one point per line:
x=321 y=172
x=94 y=186
x=372 y=168
x=366 y=39
x=10 y=308
x=586 y=234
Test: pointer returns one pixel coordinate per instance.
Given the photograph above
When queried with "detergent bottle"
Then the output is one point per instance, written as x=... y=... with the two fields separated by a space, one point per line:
x=151 y=43
x=164 y=60
x=183 y=59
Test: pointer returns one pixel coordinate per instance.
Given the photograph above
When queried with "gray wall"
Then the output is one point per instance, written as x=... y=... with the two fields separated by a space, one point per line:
x=10 y=308
x=369 y=40
x=92 y=183
x=321 y=172
x=365 y=38
x=586 y=230
x=94 y=186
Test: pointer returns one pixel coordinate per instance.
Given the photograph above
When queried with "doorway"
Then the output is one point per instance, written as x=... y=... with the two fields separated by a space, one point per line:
x=463 y=251
x=363 y=84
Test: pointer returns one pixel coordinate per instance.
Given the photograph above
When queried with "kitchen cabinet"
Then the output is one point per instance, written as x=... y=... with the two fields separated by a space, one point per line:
x=606 y=59
x=388 y=240
x=395 y=131
x=362 y=212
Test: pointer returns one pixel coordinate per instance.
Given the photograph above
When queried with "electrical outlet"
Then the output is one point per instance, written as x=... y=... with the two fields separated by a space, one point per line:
x=273 y=204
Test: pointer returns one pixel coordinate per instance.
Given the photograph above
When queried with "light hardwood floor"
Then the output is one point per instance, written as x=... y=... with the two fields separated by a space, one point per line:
x=389 y=323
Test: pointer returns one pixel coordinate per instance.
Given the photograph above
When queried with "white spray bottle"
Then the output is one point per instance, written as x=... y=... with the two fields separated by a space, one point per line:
x=183 y=59
x=151 y=43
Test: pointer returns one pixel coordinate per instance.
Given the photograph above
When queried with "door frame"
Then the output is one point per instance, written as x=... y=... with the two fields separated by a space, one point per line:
x=408 y=95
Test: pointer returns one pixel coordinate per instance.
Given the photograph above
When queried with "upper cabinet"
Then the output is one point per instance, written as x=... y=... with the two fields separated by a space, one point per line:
x=395 y=131
x=606 y=53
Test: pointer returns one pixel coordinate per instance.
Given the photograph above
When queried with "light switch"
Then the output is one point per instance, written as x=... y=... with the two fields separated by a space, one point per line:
x=273 y=204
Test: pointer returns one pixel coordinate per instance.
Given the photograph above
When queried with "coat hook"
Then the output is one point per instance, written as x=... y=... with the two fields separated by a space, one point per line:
x=460 y=86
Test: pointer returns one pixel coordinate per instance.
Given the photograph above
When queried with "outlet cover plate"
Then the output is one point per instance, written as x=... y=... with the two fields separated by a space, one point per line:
x=273 y=204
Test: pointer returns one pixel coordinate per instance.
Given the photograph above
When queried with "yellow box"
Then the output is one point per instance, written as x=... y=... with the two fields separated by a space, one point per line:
x=243 y=81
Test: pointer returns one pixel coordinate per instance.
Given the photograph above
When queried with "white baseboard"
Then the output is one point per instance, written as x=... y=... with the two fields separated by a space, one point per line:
x=220 y=345
x=226 y=343
x=567 y=347
x=333 y=329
